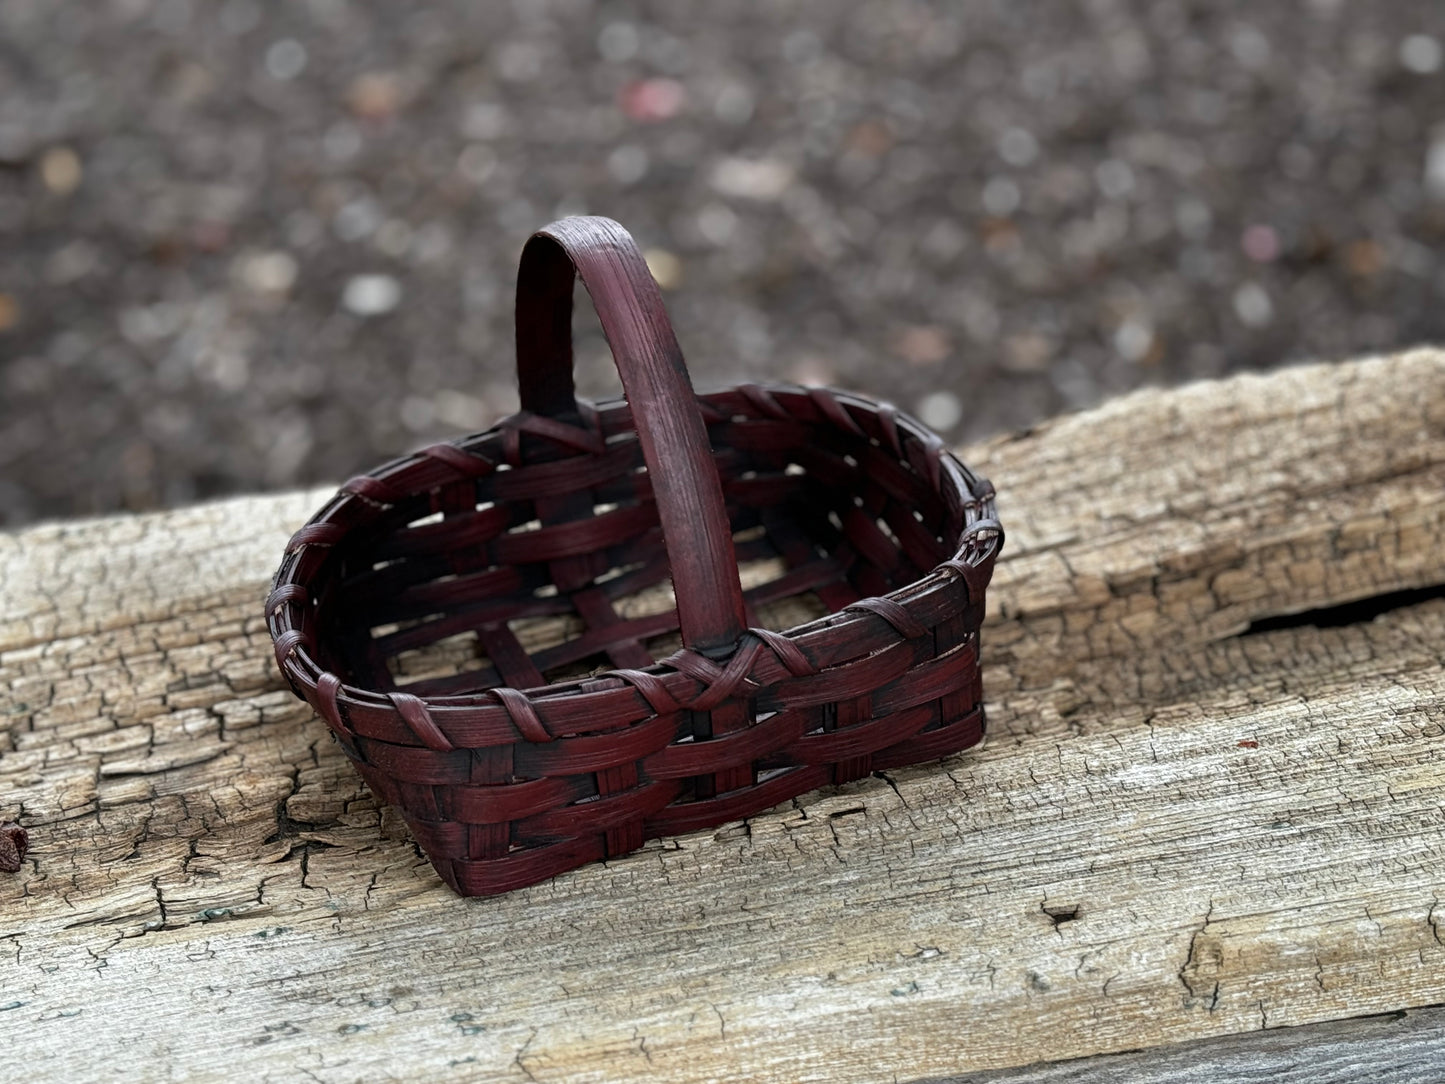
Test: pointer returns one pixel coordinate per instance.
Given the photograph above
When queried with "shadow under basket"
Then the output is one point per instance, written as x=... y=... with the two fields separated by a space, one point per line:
x=553 y=640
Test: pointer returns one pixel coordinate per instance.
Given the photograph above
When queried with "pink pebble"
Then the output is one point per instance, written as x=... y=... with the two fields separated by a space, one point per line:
x=1260 y=243
x=652 y=99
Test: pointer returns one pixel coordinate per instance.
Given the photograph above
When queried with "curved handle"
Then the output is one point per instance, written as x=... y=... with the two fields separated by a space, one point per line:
x=695 y=525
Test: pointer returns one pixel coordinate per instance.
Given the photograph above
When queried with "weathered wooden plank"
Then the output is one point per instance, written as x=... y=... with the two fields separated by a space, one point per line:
x=1396 y=1048
x=1175 y=831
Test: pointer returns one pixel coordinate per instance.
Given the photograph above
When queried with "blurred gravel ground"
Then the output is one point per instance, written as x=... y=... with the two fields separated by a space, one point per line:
x=248 y=245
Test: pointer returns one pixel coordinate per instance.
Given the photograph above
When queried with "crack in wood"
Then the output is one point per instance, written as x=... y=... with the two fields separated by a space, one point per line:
x=1347 y=613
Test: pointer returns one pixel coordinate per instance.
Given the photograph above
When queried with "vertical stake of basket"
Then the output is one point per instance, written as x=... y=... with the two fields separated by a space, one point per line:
x=670 y=428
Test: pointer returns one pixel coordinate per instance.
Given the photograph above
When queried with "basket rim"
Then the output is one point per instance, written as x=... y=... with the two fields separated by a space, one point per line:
x=971 y=565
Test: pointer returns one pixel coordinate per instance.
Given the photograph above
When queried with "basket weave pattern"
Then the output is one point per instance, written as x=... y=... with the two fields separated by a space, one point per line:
x=480 y=623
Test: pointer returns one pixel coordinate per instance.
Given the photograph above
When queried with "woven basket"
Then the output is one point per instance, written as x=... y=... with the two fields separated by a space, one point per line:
x=488 y=628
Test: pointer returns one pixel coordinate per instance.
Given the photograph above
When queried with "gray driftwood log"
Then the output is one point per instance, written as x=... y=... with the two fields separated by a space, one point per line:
x=1196 y=815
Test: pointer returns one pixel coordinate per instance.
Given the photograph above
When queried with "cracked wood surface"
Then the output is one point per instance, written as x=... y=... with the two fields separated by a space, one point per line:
x=1175 y=831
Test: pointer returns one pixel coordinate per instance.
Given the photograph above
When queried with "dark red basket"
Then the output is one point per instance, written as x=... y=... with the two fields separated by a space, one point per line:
x=486 y=625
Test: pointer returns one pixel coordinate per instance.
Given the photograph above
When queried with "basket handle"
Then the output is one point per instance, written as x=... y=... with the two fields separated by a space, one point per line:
x=695 y=526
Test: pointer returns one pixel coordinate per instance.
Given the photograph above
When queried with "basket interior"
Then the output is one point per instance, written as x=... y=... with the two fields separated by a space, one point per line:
x=482 y=582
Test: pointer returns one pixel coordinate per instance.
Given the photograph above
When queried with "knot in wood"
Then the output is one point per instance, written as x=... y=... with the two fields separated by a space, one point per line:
x=14 y=842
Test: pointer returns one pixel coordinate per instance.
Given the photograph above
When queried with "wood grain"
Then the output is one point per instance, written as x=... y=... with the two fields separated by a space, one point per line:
x=1176 y=831
x=1395 y=1048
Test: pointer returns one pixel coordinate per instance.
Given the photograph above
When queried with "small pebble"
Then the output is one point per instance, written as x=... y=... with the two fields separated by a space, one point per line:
x=1193 y=218
x=1421 y=54
x=520 y=61
x=940 y=410
x=652 y=99
x=461 y=411
x=1115 y=178
x=342 y=141
x=15 y=142
x=1260 y=243
x=944 y=240
x=1018 y=147
x=1134 y=339
x=618 y=42
x=1250 y=47
x=1298 y=162
x=485 y=121
x=812 y=372
x=1435 y=165
x=61 y=171
x=763 y=179
x=393 y=238
x=375 y=96
x=371 y=295
x=1253 y=306
x=209 y=235
x=802 y=47
x=417 y=413
x=477 y=162
x=303 y=229
x=9 y=312
x=357 y=220
x=665 y=267
x=871 y=138
x=628 y=163
x=431 y=243
x=285 y=59
x=734 y=104
x=269 y=272
x=924 y=344
x=229 y=370
x=1001 y=237
x=1365 y=258
x=145 y=324
x=1001 y=197
x=289 y=440
x=71 y=263
x=240 y=17
x=717 y=223
x=1028 y=352
x=980 y=318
